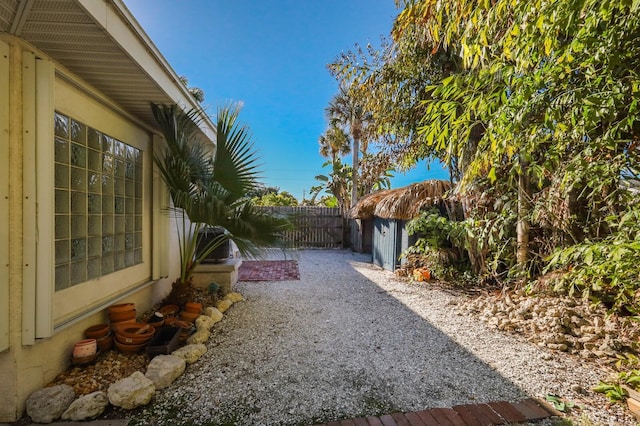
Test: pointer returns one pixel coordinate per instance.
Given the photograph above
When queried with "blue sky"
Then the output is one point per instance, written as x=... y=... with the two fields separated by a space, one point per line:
x=271 y=55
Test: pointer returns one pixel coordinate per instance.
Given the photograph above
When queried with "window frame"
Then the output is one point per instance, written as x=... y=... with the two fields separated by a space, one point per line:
x=78 y=102
x=4 y=196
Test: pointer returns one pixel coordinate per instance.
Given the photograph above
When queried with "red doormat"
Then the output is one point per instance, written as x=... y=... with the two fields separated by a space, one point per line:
x=269 y=270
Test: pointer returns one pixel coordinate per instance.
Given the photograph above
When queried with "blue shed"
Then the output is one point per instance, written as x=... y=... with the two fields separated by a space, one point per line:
x=389 y=211
x=390 y=239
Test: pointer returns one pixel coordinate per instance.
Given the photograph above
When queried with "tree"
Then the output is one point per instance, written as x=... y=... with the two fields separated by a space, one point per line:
x=261 y=190
x=334 y=143
x=283 y=198
x=543 y=111
x=337 y=183
x=346 y=111
x=209 y=189
x=196 y=92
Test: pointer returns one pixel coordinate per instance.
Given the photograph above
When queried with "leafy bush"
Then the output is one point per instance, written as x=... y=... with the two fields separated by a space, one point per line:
x=441 y=245
x=606 y=270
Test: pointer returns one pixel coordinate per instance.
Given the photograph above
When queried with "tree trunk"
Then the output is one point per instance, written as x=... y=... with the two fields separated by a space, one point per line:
x=522 y=229
x=354 y=174
x=357 y=245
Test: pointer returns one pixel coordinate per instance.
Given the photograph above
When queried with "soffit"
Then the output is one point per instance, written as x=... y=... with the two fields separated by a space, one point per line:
x=70 y=35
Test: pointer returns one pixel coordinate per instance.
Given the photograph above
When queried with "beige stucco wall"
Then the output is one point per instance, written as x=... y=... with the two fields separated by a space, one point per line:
x=26 y=368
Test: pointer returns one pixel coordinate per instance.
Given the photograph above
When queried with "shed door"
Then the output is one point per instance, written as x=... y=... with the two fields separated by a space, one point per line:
x=384 y=243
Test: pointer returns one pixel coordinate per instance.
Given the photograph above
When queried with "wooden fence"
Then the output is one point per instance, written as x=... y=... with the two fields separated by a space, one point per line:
x=314 y=227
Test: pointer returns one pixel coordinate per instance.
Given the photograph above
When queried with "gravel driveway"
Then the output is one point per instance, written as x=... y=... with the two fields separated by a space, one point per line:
x=349 y=340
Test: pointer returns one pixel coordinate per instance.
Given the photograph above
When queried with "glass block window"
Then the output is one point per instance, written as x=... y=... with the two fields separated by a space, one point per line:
x=98 y=203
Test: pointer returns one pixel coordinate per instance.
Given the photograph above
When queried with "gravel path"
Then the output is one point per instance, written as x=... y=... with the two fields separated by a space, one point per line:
x=349 y=340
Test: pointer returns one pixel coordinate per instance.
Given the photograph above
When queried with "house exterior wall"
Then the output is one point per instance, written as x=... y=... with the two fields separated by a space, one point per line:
x=29 y=363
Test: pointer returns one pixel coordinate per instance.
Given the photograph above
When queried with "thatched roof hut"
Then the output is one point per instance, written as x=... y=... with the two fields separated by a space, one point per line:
x=402 y=203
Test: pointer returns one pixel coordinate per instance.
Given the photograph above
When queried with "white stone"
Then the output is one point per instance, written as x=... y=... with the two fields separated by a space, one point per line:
x=87 y=407
x=200 y=336
x=204 y=322
x=214 y=313
x=191 y=353
x=223 y=305
x=131 y=392
x=164 y=369
x=234 y=297
x=48 y=404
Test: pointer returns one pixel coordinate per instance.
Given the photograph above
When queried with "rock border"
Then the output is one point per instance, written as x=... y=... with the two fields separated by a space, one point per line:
x=133 y=391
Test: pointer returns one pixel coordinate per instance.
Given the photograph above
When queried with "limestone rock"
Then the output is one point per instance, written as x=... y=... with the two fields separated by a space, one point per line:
x=204 y=322
x=164 y=369
x=234 y=297
x=200 y=336
x=190 y=353
x=214 y=313
x=87 y=407
x=131 y=392
x=48 y=404
x=223 y=305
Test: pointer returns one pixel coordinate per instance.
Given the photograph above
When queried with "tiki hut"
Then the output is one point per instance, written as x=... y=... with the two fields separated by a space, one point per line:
x=382 y=217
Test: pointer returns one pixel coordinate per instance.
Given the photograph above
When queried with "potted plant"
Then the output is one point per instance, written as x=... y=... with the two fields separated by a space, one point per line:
x=208 y=188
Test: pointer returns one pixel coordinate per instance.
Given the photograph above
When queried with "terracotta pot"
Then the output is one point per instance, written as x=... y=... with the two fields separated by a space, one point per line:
x=186 y=329
x=169 y=311
x=84 y=348
x=135 y=331
x=129 y=349
x=182 y=324
x=170 y=320
x=84 y=360
x=193 y=307
x=105 y=343
x=157 y=323
x=133 y=340
x=189 y=316
x=97 y=331
x=116 y=324
x=122 y=316
x=121 y=307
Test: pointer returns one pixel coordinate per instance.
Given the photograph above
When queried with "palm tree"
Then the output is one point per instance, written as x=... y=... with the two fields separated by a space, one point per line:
x=346 y=111
x=208 y=189
x=334 y=143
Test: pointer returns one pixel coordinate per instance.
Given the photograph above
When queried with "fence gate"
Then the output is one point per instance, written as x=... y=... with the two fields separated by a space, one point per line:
x=314 y=227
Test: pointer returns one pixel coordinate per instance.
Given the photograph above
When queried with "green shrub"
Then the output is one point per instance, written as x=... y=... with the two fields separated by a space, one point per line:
x=606 y=270
x=441 y=245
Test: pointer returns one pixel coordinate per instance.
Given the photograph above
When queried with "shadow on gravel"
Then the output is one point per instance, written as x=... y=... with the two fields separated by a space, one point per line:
x=333 y=345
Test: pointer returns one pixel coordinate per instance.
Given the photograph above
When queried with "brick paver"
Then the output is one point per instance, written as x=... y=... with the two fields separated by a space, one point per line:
x=492 y=413
x=269 y=270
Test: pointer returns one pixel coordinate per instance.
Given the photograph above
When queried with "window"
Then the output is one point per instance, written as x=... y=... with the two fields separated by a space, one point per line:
x=98 y=203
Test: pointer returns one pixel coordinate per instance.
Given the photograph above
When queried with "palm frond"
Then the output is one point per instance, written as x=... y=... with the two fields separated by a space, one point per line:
x=236 y=162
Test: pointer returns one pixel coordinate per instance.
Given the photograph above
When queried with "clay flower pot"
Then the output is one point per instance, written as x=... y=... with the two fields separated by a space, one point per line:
x=116 y=324
x=189 y=316
x=84 y=360
x=121 y=307
x=169 y=311
x=193 y=307
x=156 y=321
x=135 y=330
x=122 y=315
x=105 y=343
x=129 y=349
x=134 y=334
x=133 y=340
x=97 y=331
x=85 y=348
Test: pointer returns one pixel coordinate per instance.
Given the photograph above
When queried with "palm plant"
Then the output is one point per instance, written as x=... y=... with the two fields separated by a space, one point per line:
x=208 y=187
x=334 y=143
x=345 y=110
